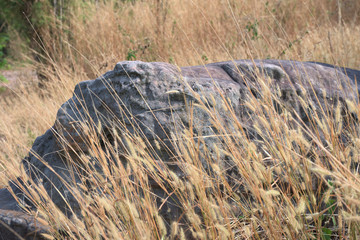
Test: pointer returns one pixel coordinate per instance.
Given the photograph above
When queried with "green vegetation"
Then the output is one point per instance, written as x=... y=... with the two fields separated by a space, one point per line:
x=4 y=39
x=252 y=29
x=3 y=79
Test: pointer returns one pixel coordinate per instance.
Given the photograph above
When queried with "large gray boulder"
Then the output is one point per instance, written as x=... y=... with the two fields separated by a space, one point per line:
x=151 y=100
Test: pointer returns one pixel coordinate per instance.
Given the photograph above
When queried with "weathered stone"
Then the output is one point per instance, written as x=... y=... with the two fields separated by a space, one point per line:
x=154 y=98
x=17 y=225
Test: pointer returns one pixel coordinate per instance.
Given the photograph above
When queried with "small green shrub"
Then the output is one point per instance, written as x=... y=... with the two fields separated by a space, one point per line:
x=4 y=39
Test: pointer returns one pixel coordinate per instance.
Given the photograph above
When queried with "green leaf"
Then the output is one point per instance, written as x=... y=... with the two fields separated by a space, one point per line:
x=326 y=234
x=131 y=55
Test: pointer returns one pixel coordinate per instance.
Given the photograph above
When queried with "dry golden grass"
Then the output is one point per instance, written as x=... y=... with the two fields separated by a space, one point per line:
x=285 y=200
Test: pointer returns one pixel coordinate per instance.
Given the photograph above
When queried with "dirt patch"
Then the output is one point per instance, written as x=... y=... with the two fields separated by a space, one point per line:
x=13 y=81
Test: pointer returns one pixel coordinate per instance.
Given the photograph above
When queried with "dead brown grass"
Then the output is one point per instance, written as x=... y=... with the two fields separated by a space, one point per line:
x=96 y=35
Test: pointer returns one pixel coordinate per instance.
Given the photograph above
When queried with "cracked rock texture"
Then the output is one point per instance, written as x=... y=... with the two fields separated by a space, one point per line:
x=16 y=224
x=154 y=97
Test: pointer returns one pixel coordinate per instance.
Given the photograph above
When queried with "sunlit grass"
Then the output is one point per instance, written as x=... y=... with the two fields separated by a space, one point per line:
x=295 y=182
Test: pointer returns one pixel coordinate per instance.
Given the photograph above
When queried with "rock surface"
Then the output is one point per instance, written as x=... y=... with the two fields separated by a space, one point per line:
x=145 y=96
x=17 y=225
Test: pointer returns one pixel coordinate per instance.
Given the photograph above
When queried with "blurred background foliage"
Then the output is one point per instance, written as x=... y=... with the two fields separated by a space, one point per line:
x=156 y=30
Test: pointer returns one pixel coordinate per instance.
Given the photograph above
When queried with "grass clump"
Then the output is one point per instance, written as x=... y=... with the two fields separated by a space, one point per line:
x=294 y=180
